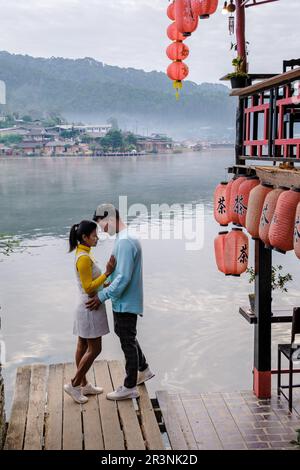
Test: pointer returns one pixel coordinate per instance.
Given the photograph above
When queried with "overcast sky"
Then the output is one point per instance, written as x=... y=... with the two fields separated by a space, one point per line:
x=131 y=33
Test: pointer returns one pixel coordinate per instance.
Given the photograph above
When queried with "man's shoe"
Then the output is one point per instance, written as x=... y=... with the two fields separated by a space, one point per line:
x=123 y=393
x=90 y=389
x=144 y=376
x=76 y=394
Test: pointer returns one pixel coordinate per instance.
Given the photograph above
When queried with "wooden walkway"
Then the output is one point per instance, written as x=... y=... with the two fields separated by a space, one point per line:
x=43 y=417
x=228 y=421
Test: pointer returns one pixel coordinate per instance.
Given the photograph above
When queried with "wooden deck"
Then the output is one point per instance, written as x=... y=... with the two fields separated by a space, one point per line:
x=43 y=417
x=228 y=421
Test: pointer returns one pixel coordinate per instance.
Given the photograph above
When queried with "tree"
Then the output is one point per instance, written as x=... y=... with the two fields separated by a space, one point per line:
x=27 y=118
x=11 y=139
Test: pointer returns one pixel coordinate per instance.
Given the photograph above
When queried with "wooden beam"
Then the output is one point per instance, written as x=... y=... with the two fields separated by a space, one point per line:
x=278 y=80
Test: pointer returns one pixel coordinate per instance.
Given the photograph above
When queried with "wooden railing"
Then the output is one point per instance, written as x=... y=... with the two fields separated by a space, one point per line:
x=267 y=119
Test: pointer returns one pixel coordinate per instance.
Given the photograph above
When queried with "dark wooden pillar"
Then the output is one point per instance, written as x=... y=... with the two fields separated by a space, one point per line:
x=263 y=310
x=240 y=122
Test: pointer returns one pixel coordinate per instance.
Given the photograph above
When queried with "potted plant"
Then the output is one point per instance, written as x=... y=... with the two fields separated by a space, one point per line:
x=279 y=281
x=238 y=78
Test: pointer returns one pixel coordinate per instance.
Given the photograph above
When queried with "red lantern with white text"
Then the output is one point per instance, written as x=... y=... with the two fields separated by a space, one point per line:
x=282 y=227
x=185 y=18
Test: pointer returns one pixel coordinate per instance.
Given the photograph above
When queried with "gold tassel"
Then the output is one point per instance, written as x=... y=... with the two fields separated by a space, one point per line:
x=178 y=86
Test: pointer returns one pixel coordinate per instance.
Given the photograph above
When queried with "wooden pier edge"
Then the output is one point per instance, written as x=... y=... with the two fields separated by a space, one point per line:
x=43 y=417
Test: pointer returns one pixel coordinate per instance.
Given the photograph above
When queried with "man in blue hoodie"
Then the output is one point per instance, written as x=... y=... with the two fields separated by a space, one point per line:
x=126 y=294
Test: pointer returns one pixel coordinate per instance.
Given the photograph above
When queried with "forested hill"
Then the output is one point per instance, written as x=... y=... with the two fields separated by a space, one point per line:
x=85 y=89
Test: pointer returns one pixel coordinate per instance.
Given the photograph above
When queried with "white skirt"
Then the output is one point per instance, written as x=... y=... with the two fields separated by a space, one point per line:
x=90 y=324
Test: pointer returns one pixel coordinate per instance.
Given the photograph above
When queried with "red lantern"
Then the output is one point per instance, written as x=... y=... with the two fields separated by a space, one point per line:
x=297 y=232
x=207 y=8
x=196 y=6
x=186 y=20
x=177 y=71
x=243 y=198
x=171 y=11
x=236 y=252
x=220 y=252
x=282 y=227
x=174 y=34
x=255 y=206
x=267 y=214
x=221 y=204
x=177 y=51
x=234 y=206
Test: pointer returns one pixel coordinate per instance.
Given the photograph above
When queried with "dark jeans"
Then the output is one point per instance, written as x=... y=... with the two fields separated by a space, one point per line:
x=125 y=329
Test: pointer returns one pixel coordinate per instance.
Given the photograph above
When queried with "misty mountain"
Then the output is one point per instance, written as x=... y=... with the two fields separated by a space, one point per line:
x=90 y=91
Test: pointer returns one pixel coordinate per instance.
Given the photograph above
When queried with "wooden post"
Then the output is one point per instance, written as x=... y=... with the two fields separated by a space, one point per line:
x=262 y=331
x=240 y=32
x=240 y=120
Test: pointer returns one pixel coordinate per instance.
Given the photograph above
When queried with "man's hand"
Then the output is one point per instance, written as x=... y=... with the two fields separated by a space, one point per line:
x=111 y=265
x=94 y=303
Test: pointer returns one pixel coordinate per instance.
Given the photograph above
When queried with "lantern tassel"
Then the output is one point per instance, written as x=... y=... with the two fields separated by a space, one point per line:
x=178 y=86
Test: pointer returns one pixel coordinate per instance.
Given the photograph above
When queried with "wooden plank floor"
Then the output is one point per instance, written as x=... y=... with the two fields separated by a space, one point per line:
x=43 y=417
x=229 y=421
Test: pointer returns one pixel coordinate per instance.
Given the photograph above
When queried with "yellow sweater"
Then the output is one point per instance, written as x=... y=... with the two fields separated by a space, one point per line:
x=84 y=267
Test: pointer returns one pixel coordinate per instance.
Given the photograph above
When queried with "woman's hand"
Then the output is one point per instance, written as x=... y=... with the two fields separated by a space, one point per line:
x=111 y=265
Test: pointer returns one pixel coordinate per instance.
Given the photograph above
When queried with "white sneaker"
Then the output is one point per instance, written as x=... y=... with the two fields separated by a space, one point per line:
x=75 y=393
x=123 y=393
x=144 y=376
x=89 y=389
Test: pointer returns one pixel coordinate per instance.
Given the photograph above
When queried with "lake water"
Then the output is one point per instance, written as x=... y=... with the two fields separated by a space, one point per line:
x=191 y=333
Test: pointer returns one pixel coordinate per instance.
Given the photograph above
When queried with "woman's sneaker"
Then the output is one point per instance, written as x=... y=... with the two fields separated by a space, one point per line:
x=76 y=394
x=89 y=389
x=144 y=376
x=123 y=393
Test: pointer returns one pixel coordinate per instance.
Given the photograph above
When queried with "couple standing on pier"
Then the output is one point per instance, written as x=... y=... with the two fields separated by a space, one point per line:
x=122 y=283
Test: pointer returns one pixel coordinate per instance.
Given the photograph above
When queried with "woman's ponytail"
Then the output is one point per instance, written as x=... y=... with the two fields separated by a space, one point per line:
x=73 y=238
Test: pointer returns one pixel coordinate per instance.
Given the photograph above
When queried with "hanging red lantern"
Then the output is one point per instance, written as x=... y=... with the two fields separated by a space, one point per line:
x=177 y=71
x=171 y=11
x=207 y=8
x=255 y=206
x=234 y=205
x=174 y=34
x=297 y=232
x=178 y=51
x=196 y=6
x=236 y=252
x=282 y=227
x=186 y=20
x=243 y=197
x=221 y=204
x=267 y=214
x=220 y=252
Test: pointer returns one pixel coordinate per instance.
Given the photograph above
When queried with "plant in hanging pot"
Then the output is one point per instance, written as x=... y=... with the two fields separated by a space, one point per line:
x=278 y=282
x=238 y=78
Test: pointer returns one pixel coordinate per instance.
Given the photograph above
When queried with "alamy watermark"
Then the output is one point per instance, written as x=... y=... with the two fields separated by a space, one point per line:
x=2 y=353
x=2 y=92
x=166 y=222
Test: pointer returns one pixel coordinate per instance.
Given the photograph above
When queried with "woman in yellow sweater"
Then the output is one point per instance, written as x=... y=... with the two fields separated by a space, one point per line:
x=89 y=326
